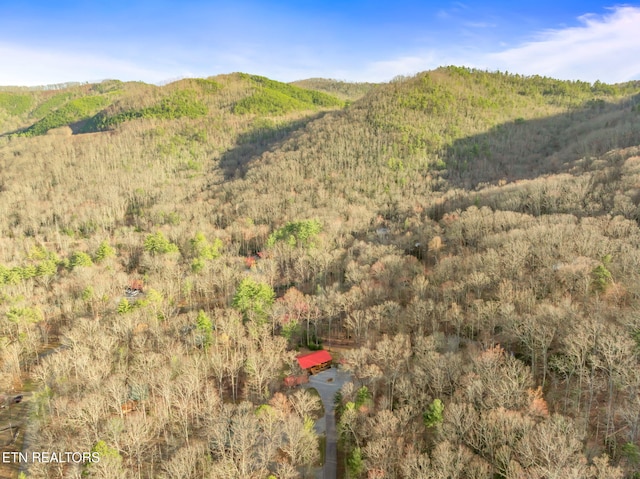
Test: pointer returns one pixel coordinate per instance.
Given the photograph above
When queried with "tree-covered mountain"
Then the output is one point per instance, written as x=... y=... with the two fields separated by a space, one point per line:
x=469 y=239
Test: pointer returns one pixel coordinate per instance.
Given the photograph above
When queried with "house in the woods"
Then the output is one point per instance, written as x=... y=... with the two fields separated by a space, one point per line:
x=315 y=362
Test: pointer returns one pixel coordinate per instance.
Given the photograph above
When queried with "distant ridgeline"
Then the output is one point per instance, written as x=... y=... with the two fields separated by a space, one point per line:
x=98 y=107
x=54 y=86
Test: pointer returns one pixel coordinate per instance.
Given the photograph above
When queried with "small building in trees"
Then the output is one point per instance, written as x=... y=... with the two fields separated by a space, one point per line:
x=293 y=381
x=134 y=289
x=315 y=362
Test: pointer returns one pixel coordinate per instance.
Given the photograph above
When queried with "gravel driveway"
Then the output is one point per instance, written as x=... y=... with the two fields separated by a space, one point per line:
x=327 y=383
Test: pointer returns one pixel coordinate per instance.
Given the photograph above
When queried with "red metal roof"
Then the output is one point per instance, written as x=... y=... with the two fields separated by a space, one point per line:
x=307 y=361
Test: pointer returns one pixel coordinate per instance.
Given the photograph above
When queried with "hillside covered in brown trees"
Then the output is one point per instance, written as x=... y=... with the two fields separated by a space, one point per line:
x=466 y=244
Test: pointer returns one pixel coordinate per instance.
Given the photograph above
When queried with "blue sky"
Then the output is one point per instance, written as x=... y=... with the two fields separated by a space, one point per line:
x=44 y=42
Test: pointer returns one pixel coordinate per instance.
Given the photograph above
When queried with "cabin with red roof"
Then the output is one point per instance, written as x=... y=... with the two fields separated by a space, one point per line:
x=315 y=362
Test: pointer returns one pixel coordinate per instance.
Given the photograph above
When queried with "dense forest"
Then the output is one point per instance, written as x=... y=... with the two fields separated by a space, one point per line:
x=465 y=243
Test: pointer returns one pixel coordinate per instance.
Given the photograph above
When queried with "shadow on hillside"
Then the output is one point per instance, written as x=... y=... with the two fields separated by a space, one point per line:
x=526 y=149
x=252 y=144
x=75 y=128
x=9 y=134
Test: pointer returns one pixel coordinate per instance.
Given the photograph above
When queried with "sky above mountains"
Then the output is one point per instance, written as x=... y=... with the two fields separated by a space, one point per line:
x=43 y=42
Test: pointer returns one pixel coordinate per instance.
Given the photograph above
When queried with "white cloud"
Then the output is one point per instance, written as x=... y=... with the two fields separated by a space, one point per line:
x=603 y=48
x=479 y=25
x=29 y=67
x=385 y=70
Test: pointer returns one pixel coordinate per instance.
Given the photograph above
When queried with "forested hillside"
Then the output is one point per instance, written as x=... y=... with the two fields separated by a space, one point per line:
x=466 y=243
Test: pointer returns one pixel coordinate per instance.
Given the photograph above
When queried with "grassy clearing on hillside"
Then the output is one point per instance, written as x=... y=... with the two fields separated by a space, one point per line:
x=276 y=98
x=15 y=104
x=74 y=111
x=180 y=104
x=50 y=104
